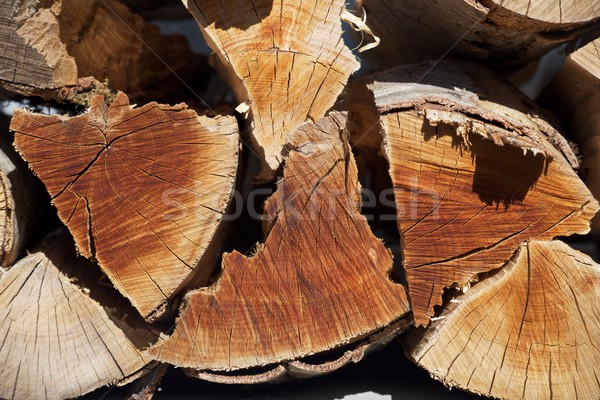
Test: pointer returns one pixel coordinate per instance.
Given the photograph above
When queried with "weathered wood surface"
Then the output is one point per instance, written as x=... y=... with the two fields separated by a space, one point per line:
x=17 y=204
x=142 y=189
x=574 y=94
x=284 y=59
x=321 y=279
x=472 y=178
x=63 y=333
x=50 y=45
x=531 y=331
x=498 y=32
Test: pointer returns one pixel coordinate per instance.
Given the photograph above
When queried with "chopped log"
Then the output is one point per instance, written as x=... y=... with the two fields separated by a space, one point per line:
x=320 y=281
x=472 y=178
x=64 y=333
x=51 y=44
x=142 y=190
x=574 y=94
x=17 y=204
x=285 y=61
x=531 y=331
x=506 y=33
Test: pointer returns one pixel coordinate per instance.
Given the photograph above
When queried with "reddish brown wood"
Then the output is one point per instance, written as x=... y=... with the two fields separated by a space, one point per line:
x=472 y=178
x=142 y=190
x=320 y=280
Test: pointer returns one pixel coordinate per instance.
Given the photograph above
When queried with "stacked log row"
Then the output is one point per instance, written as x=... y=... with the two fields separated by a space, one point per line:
x=483 y=184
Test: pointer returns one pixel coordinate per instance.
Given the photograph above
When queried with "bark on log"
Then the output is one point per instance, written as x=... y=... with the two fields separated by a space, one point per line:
x=284 y=59
x=531 y=331
x=64 y=333
x=142 y=190
x=17 y=204
x=574 y=94
x=320 y=281
x=50 y=45
x=500 y=32
x=472 y=178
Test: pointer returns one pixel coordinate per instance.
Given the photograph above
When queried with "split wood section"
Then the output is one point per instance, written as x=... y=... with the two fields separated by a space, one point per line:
x=57 y=339
x=142 y=190
x=50 y=45
x=321 y=279
x=284 y=59
x=498 y=32
x=472 y=178
x=17 y=204
x=532 y=331
x=574 y=94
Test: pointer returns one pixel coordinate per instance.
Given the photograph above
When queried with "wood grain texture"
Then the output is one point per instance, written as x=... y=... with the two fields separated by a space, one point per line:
x=320 y=281
x=504 y=33
x=143 y=190
x=472 y=178
x=18 y=208
x=58 y=341
x=50 y=45
x=574 y=94
x=285 y=59
x=531 y=331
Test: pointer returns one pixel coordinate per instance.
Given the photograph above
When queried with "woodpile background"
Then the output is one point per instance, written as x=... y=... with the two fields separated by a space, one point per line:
x=332 y=183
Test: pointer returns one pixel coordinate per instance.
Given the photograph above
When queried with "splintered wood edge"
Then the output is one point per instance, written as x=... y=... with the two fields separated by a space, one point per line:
x=267 y=137
x=114 y=313
x=394 y=93
x=215 y=346
x=152 y=304
x=434 y=349
x=305 y=367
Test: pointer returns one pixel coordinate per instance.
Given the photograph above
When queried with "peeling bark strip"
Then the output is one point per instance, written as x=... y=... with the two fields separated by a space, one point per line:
x=49 y=45
x=57 y=339
x=472 y=178
x=285 y=59
x=500 y=32
x=320 y=281
x=142 y=190
x=532 y=331
x=574 y=94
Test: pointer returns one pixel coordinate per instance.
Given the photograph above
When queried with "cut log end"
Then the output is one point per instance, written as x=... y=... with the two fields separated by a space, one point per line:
x=460 y=165
x=285 y=60
x=50 y=45
x=574 y=94
x=320 y=280
x=58 y=340
x=142 y=190
x=531 y=331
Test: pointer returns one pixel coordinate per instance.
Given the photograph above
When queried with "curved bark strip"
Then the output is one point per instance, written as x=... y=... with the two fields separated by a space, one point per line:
x=142 y=190
x=58 y=341
x=472 y=178
x=574 y=94
x=532 y=331
x=308 y=368
x=320 y=280
x=51 y=44
x=494 y=31
x=284 y=59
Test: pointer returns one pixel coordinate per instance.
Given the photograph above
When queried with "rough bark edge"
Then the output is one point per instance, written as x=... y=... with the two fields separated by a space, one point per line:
x=304 y=367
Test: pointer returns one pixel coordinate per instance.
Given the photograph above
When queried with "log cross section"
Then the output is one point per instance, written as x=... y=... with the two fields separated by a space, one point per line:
x=142 y=190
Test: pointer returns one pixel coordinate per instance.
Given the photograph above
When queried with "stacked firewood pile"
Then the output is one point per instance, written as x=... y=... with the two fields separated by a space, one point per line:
x=120 y=214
